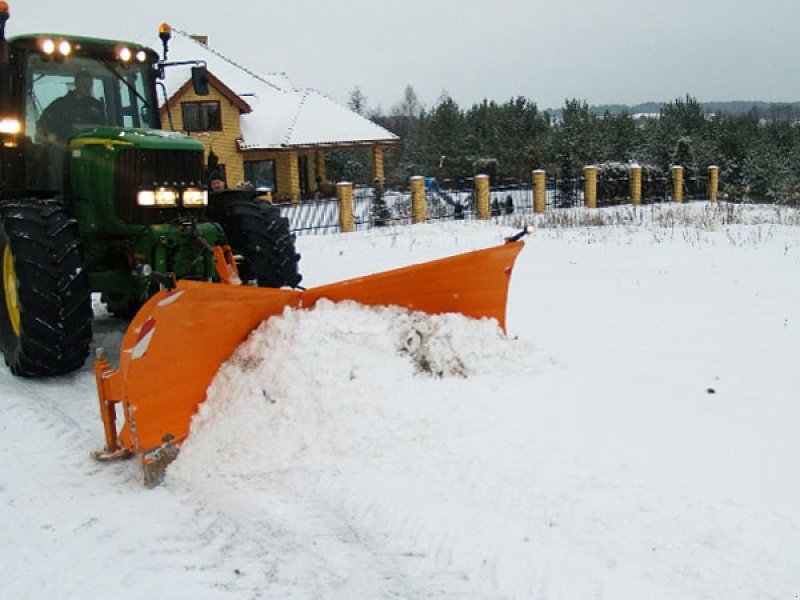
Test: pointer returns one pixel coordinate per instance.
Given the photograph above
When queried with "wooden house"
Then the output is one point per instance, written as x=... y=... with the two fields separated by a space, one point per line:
x=263 y=130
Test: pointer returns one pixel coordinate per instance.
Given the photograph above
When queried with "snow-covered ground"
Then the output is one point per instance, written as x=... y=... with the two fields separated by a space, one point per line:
x=636 y=435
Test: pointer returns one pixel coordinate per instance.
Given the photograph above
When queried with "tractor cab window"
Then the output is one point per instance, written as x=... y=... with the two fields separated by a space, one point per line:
x=65 y=98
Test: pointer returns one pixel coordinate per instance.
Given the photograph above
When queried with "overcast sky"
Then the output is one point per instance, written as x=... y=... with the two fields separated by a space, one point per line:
x=600 y=51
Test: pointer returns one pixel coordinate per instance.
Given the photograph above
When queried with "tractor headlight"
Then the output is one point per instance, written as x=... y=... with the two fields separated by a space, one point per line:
x=166 y=196
x=10 y=126
x=161 y=197
x=146 y=198
x=195 y=197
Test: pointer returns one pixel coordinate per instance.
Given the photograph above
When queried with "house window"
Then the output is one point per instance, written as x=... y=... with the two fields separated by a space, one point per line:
x=201 y=116
x=261 y=173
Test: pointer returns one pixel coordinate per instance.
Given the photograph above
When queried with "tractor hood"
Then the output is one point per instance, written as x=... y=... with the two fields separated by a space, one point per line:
x=148 y=139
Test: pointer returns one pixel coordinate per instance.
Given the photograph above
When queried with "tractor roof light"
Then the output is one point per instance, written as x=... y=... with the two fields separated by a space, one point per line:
x=64 y=48
x=60 y=49
x=126 y=55
x=4 y=15
x=164 y=34
x=47 y=46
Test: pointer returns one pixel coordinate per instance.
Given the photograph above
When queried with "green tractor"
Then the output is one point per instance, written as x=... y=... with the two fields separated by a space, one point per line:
x=96 y=197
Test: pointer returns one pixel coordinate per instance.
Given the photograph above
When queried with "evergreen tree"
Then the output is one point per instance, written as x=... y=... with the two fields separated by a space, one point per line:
x=443 y=141
x=357 y=102
x=575 y=144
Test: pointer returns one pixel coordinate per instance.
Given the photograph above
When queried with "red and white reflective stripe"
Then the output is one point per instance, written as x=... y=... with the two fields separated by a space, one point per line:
x=171 y=297
x=145 y=337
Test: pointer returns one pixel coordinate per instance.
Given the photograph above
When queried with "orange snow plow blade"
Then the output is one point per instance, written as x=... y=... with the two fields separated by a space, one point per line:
x=178 y=340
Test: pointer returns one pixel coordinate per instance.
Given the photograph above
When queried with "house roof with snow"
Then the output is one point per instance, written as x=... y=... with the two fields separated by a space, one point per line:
x=274 y=113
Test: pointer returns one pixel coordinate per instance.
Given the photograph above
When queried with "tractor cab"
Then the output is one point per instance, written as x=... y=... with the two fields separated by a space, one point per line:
x=58 y=88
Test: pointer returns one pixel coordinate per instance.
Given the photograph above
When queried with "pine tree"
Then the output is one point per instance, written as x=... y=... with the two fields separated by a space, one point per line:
x=379 y=212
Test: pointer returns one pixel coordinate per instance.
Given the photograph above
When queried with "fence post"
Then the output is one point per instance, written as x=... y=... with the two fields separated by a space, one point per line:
x=713 y=183
x=482 y=196
x=377 y=164
x=539 y=191
x=590 y=186
x=636 y=184
x=344 y=193
x=419 y=207
x=677 y=184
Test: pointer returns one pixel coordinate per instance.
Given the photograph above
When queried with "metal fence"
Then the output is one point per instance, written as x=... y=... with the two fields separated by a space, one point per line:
x=455 y=200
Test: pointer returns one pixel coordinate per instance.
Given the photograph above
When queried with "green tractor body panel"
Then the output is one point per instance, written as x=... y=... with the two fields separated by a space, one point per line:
x=107 y=167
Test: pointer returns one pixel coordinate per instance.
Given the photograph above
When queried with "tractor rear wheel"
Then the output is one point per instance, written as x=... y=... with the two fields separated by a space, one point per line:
x=256 y=230
x=46 y=315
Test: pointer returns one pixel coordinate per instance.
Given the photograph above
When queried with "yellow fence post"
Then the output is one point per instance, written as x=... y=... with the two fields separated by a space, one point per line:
x=377 y=164
x=677 y=184
x=344 y=193
x=713 y=183
x=419 y=206
x=482 y=196
x=590 y=186
x=636 y=184
x=539 y=191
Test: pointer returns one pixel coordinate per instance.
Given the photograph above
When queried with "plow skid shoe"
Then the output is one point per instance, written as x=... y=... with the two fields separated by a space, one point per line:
x=178 y=340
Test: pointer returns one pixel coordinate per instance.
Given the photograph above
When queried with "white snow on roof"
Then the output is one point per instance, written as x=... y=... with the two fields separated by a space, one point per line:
x=282 y=114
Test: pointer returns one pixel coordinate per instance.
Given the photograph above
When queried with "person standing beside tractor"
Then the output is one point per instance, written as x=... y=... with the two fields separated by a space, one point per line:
x=76 y=107
x=217 y=181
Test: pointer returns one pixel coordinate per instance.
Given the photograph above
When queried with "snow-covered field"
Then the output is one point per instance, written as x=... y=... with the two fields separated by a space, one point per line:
x=635 y=436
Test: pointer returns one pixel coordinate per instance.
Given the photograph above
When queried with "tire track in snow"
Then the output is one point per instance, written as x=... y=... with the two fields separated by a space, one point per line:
x=299 y=543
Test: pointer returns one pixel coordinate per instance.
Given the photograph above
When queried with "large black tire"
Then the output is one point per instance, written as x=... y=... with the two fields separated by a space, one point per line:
x=46 y=312
x=256 y=231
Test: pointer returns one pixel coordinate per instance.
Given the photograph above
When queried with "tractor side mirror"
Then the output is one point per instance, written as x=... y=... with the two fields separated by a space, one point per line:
x=200 y=80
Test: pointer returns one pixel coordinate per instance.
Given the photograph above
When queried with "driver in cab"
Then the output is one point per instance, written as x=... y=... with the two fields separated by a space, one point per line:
x=77 y=106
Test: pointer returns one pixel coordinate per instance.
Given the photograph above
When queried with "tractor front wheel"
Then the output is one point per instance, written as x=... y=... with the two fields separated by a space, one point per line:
x=46 y=315
x=256 y=230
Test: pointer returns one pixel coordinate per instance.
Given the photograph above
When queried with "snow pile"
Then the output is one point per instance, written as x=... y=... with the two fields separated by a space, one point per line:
x=340 y=379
